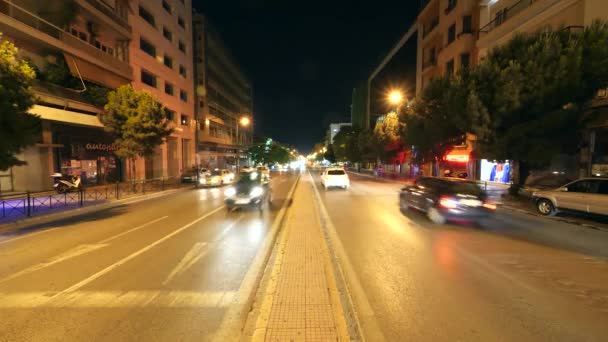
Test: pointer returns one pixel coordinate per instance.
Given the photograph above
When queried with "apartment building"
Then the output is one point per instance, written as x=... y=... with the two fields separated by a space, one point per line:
x=334 y=128
x=91 y=44
x=500 y=20
x=224 y=100
x=161 y=56
x=446 y=44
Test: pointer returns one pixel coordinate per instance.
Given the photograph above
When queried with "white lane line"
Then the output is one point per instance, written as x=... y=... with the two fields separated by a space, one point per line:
x=72 y=253
x=133 y=229
x=117 y=299
x=76 y=251
x=132 y=256
x=195 y=253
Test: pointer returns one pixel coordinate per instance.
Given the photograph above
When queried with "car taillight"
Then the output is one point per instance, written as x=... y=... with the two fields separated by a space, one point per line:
x=448 y=203
x=489 y=205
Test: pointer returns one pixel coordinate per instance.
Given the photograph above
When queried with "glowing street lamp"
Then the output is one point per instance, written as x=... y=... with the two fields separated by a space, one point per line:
x=243 y=121
x=395 y=97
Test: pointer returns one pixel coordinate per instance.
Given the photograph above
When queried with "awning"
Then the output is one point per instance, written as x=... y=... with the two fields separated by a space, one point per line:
x=94 y=73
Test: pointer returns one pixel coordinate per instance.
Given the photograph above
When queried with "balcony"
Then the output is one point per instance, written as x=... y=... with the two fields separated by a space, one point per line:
x=19 y=23
x=505 y=14
x=432 y=62
x=118 y=14
x=427 y=29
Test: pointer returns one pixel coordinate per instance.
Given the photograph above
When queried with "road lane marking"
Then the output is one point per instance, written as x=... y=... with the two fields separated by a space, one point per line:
x=117 y=299
x=133 y=229
x=71 y=253
x=132 y=256
x=195 y=253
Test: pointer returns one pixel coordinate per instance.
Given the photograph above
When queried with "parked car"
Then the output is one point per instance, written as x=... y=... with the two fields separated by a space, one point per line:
x=335 y=177
x=250 y=190
x=444 y=199
x=189 y=175
x=217 y=177
x=587 y=195
x=548 y=181
x=264 y=171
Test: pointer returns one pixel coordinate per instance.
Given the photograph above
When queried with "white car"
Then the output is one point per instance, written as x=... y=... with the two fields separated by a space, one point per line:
x=587 y=195
x=217 y=177
x=263 y=170
x=335 y=177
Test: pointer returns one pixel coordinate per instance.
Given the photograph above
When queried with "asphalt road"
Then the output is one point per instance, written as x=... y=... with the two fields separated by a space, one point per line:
x=165 y=269
x=517 y=278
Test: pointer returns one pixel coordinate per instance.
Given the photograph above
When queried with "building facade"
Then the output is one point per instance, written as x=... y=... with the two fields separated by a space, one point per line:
x=334 y=128
x=161 y=55
x=224 y=100
x=89 y=44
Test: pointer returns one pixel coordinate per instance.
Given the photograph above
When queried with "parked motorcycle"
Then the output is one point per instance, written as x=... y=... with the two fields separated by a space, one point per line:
x=65 y=183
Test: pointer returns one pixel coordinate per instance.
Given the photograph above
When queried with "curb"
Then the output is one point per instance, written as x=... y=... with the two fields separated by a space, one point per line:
x=559 y=219
x=82 y=211
x=235 y=319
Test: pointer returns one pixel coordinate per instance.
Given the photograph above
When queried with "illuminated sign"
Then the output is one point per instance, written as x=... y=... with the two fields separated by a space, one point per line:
x=460 y=158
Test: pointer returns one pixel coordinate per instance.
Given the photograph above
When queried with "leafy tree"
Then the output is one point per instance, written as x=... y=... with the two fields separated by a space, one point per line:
x=18 y=128
x=137 y=121
x=267 y=151
x=329 y=154
x=386 y=138
x=530 y=96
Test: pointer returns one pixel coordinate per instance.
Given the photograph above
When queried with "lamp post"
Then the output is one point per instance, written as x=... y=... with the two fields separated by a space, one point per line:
x=243 y=121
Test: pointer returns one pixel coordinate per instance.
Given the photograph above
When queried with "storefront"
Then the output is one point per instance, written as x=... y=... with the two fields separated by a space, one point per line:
x=499 y=172
x=87 y=152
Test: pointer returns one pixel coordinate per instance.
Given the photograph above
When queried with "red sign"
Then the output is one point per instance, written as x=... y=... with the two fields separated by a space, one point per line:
x=459 y=158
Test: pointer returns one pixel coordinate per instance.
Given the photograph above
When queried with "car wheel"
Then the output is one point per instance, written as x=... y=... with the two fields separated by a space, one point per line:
x=403 y=206
x=545 y=207
x=435 y=216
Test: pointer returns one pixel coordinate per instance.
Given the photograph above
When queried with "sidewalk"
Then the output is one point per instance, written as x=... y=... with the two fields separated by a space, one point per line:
x=300 y=302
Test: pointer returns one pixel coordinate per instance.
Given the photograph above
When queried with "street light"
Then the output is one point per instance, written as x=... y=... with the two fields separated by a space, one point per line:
x=243 y=121
x=395 y=97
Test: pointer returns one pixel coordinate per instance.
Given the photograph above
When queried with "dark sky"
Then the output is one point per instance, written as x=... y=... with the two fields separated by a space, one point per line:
x=305 y=57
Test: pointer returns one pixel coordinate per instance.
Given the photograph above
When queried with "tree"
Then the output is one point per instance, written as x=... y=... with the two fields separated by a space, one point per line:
x=266 y=151
x=531 y=96
x=18 y=128
x=137 y=121
x=329 y=154
x=386 y=137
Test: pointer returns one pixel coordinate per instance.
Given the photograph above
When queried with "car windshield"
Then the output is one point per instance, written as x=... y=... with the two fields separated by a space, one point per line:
x=336 y=172
x=248 y=178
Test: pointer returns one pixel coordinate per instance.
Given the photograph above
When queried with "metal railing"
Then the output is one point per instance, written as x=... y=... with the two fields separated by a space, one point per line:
x=32 y=20
x=19 y=206
x=113 y=13
x=505 y=14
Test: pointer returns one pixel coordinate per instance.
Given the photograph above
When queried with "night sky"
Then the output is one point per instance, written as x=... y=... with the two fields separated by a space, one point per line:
x=305 y=57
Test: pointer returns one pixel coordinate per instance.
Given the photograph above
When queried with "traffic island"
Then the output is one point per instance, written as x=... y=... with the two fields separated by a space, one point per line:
x=300 y=301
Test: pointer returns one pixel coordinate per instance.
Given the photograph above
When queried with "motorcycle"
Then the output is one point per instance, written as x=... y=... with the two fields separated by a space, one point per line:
x=64 y=183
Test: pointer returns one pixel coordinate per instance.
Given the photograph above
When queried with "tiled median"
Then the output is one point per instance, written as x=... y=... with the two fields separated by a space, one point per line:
x=298 y=304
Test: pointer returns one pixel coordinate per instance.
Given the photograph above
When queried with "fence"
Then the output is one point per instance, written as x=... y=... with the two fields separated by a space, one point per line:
x=23 y=205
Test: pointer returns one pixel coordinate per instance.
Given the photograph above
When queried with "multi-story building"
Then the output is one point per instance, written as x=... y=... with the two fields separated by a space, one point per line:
x=334 y=128
x=501 y=20
x=161 y=55
x=224 y=100
x=446 y=44
x=91 y=45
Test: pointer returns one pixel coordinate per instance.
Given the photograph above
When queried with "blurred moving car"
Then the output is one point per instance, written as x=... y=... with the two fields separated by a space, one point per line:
x=444 y=199
x=190 y=175
x=587 y=196
x=547 y=181
x=217 y=177
x=264 y=172
x=335 y=177
x=250 y=190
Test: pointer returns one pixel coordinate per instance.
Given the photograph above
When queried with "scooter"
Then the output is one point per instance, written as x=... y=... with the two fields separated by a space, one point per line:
x=64 y=184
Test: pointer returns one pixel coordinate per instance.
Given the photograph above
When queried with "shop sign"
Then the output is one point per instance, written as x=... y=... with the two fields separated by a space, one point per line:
x=495 y=172
x=101 y=147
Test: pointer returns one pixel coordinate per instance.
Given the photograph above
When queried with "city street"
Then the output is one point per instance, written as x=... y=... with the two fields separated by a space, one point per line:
x=518 y=277
x=163 y=269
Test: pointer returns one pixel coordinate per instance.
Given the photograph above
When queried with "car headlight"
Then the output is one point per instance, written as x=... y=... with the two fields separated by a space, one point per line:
x=214 y=180
x=202 y=180
x=230 y=192
x=257 y=191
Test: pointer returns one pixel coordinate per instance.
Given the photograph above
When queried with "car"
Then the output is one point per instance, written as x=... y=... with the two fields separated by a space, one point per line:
x=264 y=171
x=250 y=190
x=548 y=181
x=586 y=195
x=445 y=199
x=217 y=177
x=335 y=177
x=189 y=175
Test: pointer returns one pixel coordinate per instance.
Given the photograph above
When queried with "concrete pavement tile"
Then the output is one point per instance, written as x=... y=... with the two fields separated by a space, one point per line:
x=285 y=334
x=287 y=316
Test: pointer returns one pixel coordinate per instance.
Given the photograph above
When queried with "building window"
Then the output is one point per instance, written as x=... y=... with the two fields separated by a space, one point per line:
x=184 y=120
x=182 y=46
x=166 y=6
x=168 y=62
x=451 y=33
x=467 y=26
x=169 y=90
x=167 y=34
x=465 y=60
x=147 y=47
x=451 y=5
x=182 y=71
x=170 y=114
x=181 y=22
x=183 y=95
x=147 y=16
x=449 y=67
x=148 y=78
